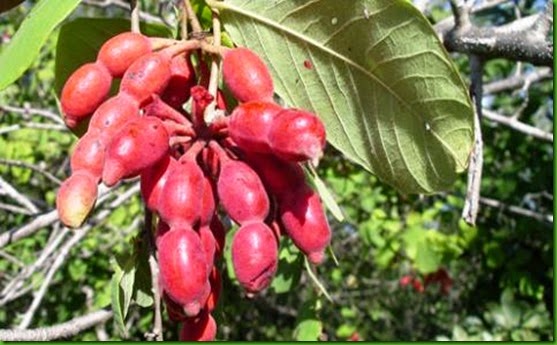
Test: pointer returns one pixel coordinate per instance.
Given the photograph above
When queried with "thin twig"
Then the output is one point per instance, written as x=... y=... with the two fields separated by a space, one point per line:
x=183 y=21
x=518 y=126
x=192 y=17
x=471 y=203
x=156 y=333
x=134 y=16
x=17 y=196
x=36 y=168
x=517 y=210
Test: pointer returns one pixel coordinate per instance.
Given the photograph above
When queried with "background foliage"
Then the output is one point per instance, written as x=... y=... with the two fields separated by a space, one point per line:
x=501 y=269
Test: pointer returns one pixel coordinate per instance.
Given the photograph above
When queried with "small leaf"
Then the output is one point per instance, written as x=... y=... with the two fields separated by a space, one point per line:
x=25 y=45
x=80 y=40
x=387 y=90
x=127 y=284
x=309 y=327
x=116 y=298
x=289 y=268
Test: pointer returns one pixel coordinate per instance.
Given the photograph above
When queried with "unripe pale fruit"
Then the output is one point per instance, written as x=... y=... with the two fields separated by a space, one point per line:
x=278 y=175
x=182 y=192
x=297 y=135
x=138 y=145
x=83 y=92
x=148 y=75
x=250 y=124
x=113 y=114
x=183 y=269
x=241 y=192
x=201 y=328
x=254 y=256
x=76 y=198
x=246 y=75
x=119 y=52
x=304 y=221
x=182 y=79
x=89 y=155
x=153 y=180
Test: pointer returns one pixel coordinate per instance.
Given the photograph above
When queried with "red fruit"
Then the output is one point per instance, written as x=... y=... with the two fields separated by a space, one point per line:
x=207 y=202
x=254 y=256
x=297 y=135
x=83 y=92
x=246 y=75
x=219 y=233
x=250 y=124
x=119 y=52
x=216 y=287
x=305 y=222
x=88 y=155
x=148 y=75
x=76 y=198
x=241 y=192
x=153 y=180
x=278 y=175
x=113 y=114
x=201 y=328
x=209 y=244
x=183 y=269
x=173 y=309
x=177 y=92
x=417 y=285
x=138 y=145
x=405 y=280
x=182 y=192
x=163 y=111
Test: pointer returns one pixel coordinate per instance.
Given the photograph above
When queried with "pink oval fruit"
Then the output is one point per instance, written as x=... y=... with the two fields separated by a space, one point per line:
x=246 y=75
x=153 y=180
x=183 y=269
x=148 y=75
x=138 y=145
x=182 y=79
x=76 y=199
x=254 y=256
x=241 y=192
x=120 y=51
x=250 y=124
x=113 y=114
x=88 y=155
x=86 y=88
x=305 y=222
x=297 y=135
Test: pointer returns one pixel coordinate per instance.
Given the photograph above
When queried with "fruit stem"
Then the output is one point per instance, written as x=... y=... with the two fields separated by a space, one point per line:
x=208 y=115
x=196 y=27
x=134 y=16
x=181 y=46
x=183 y=22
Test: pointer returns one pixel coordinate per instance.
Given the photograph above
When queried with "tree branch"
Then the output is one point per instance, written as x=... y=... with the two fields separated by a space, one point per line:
x=63 y=330
x=517 y=125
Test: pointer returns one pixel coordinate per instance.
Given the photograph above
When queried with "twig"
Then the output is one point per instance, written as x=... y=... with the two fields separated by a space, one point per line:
x=183 y=21
x=518 y=81
x=33 y=167
x=195 y=25
x=156 y=333
x=517 y=210
x=17 y=196
x=471 y=203
x=63 y=330
x=27 y=110
x=134 y=16
x=124 y=5
x=517 y=125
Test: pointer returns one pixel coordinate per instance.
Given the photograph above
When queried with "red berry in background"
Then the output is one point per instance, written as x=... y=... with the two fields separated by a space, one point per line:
x=405 y=280
x=182 y=193
x=182 y=79
x=246 y=75
x=89 y=155
x=76 y=198
x=148 y=75
x=250 y=124
x=111 y=115
x=153 y=180
x=254 y=256
x=86 y=88
x=417 y=285
x=138 y=145
x=183 y=269
x=120 y=51
x=278 y=175
x=304 y=221
x=241 y=192
x=297 y=135
x=201 y=328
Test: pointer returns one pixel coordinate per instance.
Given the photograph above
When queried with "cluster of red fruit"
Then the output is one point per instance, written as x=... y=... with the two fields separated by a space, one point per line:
x=249 y=162
x=441 y=277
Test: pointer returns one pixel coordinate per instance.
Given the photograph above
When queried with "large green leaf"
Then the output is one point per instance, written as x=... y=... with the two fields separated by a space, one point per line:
x=24 y=47
x=80 y=40
x=377 y=75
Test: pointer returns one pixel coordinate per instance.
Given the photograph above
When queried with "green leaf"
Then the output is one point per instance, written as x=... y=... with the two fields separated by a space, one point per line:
x=126 y=284
x=25 y=45
x=289 y=268
x=116 y=297
x=309 y=328
x=80 y=40
x=326 y=195
x=375 y=72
